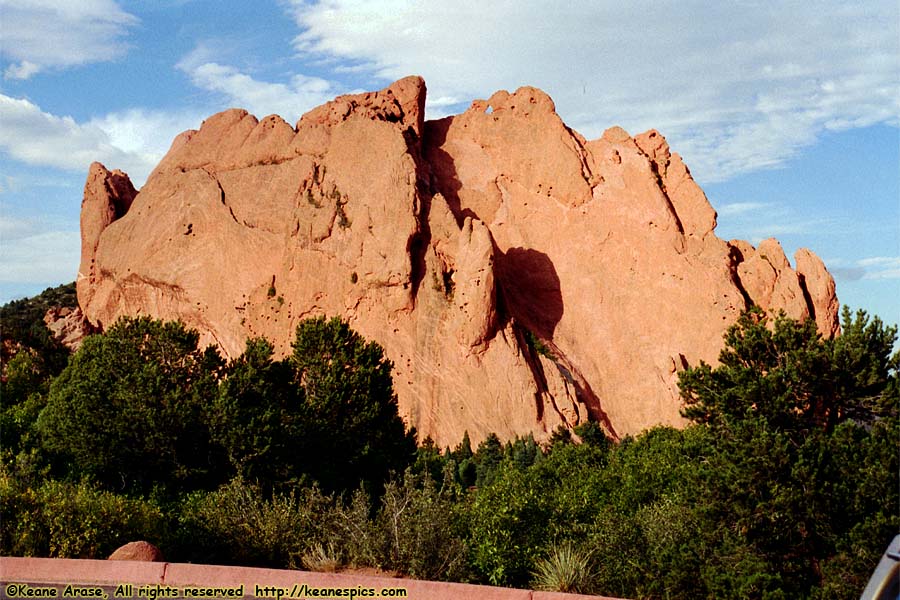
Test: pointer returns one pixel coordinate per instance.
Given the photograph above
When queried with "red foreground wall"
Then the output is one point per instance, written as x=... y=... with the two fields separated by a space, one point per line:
x=103 y=572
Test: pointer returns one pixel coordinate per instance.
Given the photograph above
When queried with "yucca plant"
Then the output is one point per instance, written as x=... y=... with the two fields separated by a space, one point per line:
x=567 y=568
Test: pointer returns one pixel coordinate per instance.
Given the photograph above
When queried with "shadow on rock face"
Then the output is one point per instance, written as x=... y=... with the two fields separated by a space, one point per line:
x=531 y=289
x=445 y=178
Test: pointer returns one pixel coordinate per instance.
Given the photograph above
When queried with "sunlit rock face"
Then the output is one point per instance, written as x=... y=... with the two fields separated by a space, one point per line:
x=518 y=276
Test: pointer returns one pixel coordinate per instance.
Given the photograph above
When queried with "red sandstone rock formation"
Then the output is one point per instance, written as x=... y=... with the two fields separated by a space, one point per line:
x=68 y=326
x=453 y=243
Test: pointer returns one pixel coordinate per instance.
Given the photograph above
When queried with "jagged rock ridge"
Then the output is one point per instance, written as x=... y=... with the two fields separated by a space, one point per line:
x=519 y=276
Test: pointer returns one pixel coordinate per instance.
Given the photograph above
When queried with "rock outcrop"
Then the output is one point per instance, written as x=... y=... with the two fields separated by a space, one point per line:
x=68 y=325
x=519 y=276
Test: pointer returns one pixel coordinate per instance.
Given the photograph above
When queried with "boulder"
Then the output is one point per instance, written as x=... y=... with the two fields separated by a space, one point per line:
x=143 y=551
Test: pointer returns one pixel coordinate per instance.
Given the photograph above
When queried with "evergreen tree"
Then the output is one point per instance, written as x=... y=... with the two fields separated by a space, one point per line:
x=487 y=460
x=352 y=424
x=258 y=418
x=782 y=404
x=129 y=409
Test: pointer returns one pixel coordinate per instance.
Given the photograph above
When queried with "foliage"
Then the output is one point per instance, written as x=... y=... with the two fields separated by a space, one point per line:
x=466 y=471
x=30 y=357
x=238 y=524
x=487 y=460
x=792 y=419
x=792 y=379
x=429 y=461
x=71 y=520
x=322 y=558
x=129 y=409
x=509 y=522
x=23 y=325
x=538 y=346
x=566 y=569
x=785 y=484
x=645 y=537
x=420 y=528
x=21 y=407
x=258 y=418
x=524 y=508
x=352 y=407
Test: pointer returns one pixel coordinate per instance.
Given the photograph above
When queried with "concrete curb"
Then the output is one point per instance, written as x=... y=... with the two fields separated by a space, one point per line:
x=180 y=575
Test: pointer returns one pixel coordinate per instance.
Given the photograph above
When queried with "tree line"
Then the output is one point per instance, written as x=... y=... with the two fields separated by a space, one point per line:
x=783 y=485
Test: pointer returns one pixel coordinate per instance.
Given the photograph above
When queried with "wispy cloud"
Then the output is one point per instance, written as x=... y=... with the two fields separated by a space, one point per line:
x=748 y=90
x=289 y=100
x=870 y=268
x=37 y=257
x=756 y=221
x=12 y=228
x=39 y=34
x=133 y=140
x=734 y=209
x=881 y=267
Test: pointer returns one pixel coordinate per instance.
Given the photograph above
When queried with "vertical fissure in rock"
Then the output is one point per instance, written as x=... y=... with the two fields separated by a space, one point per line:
x=736 y=257
x=807 y=297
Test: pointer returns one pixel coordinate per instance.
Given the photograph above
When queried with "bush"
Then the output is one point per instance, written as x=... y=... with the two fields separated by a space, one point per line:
x=509 y=527
x=66 y=520
x=238 y=525
x=421 y=534
x=567 y=569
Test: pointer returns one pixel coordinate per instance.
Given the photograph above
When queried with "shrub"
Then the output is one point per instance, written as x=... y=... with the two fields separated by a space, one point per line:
x=322 y=558
x=66 y=520
x=420 y=531
x=567 y=569
x=509 y=521
x=237 y=524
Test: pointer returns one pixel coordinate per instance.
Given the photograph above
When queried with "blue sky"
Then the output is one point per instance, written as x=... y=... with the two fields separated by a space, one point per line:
x=787 y=113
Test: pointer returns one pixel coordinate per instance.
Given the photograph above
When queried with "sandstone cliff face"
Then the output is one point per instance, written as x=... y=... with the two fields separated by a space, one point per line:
x=453 y=243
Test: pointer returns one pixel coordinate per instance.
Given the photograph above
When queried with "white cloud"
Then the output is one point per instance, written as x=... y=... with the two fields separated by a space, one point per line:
x=881 y=267
x=756 y=221
x=734 y=209
x=23 y=70
x=48 y=33
x=145 y=135
x=39 y=257
x=880 y=261
x=261 y=98
x=12 y=228
x=734 y=86
x=36 y=137
x=133 y=140
x=871 y=268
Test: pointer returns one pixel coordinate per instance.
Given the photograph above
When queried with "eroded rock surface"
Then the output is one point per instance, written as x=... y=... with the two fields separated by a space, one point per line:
x=519 y=276
x=68 y=326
